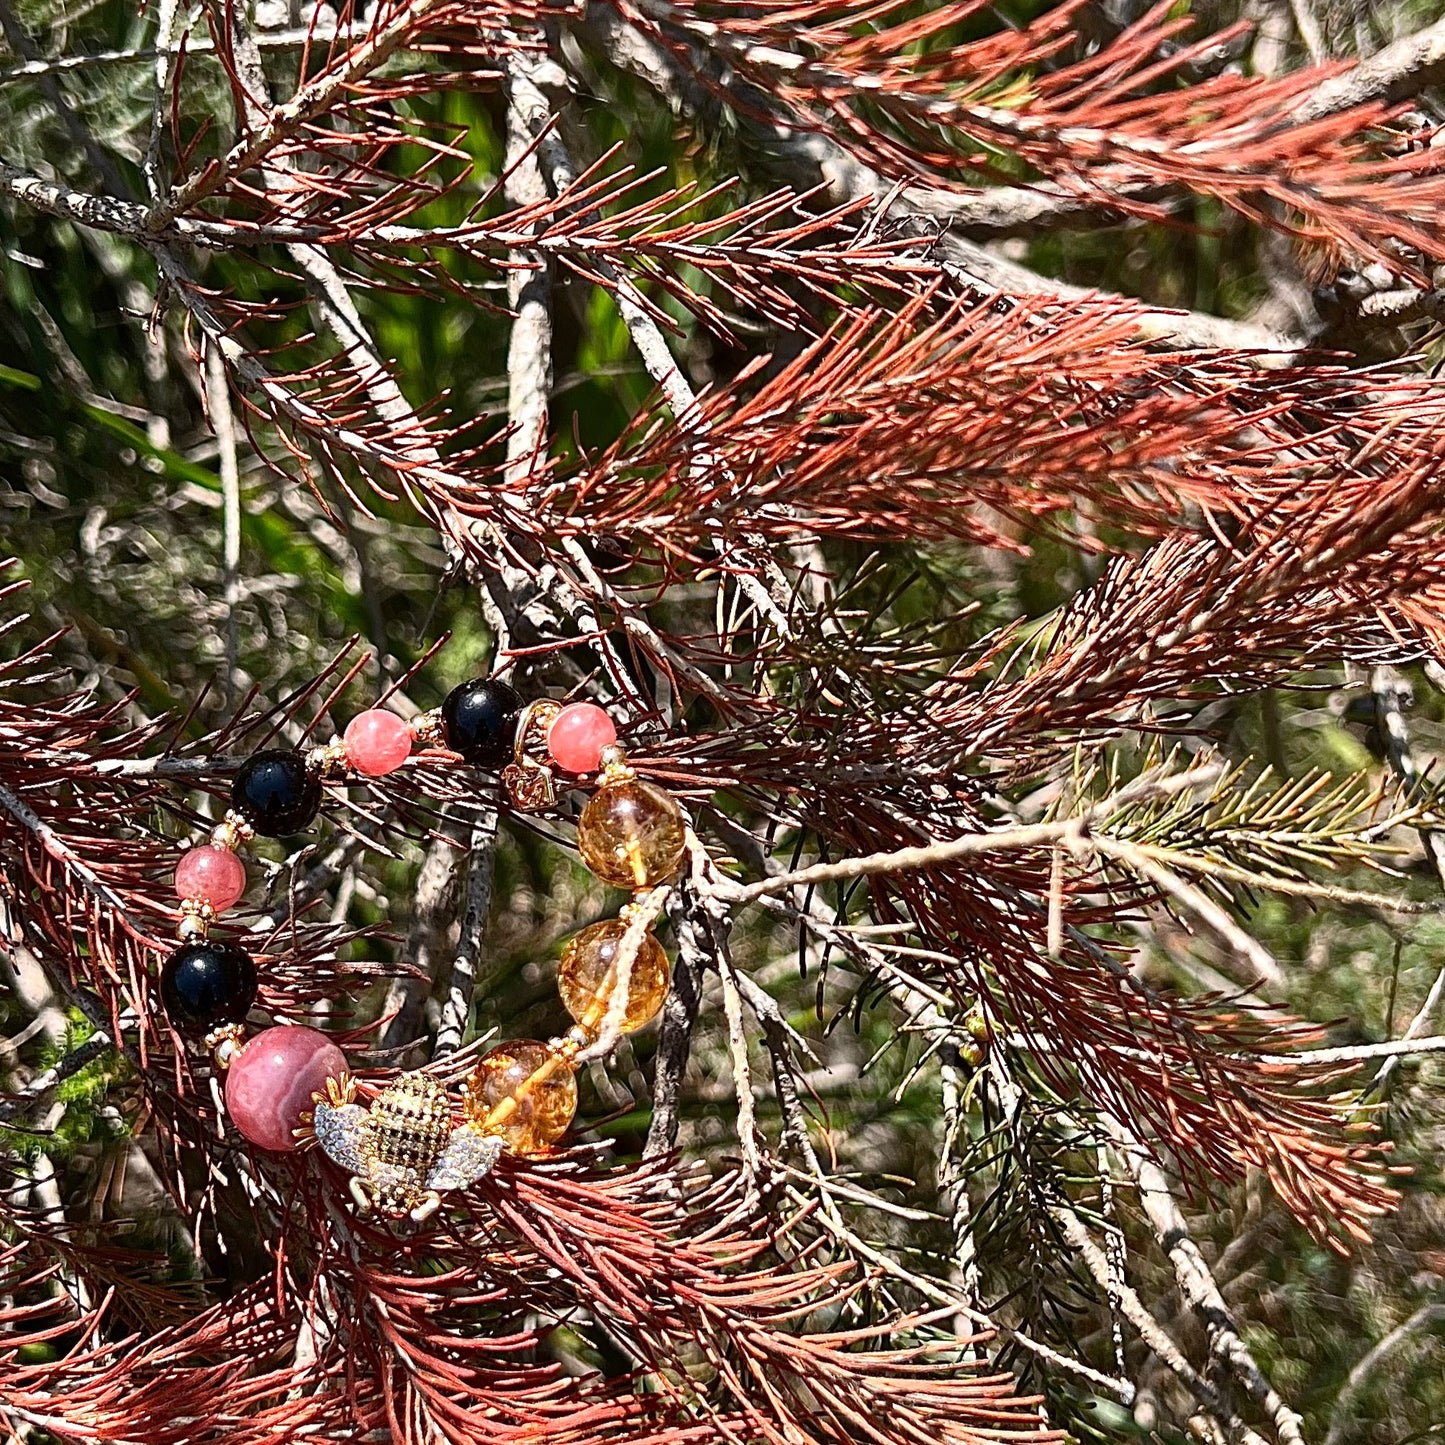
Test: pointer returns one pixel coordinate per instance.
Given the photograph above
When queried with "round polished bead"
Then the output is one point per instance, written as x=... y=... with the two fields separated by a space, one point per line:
x=631 y=834
x=204 y=985
x=276 y=793
x=587 y=976
x=272 y=1079
x=377 y=742
x=524 y=1093
x=578 y=735
x=213 y=875
x=479 y=721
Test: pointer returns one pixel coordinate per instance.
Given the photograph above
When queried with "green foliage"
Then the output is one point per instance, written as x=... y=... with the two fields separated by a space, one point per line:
x=86 y=1100
x=110 y=496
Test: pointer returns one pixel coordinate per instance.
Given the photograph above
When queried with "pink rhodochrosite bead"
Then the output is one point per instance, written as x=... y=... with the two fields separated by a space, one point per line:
x=578 y=735
x=272 y=1079
x=377 y=742
x=215 y=875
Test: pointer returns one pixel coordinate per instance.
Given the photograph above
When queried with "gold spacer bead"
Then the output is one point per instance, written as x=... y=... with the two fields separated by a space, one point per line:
x=614 y=765
x=327 y=760
x=225 y=1043
x=570 y=1044
x=197 y=916
x=426 y=728
x=231 y=832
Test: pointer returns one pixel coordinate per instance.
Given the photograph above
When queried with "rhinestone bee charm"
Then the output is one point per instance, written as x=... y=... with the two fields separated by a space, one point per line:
x=403 y=1151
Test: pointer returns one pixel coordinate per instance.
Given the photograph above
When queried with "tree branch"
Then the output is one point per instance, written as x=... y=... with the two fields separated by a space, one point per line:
x=679 y=1016
x=1197 y=1284
x=44 y=1083
x=1366 y=1368
x=1399 y=71
x=481 y=870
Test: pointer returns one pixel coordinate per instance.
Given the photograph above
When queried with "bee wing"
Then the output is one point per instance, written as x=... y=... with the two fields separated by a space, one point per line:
x=338 y=1131
x=469 y=1154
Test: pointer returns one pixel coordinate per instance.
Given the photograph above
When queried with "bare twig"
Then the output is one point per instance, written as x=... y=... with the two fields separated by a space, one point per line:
x=1197 y=1284
x=284 y=120
x=1393 y=695
x=1395 y=73
x=1149 y=1330
x=679 y=1016
x=1115 y=1287
x=481 y=869
x=1074 y=832
x=741 y=1070
x=195 y=45
x=529 y=354
x=1393 y=1049
x=808 y=907
x=431 y=915
x=218 y=401
x=165 y=30
x=79 y=133
x=1198 y=903
x=1399 y=71
x=1403 y=305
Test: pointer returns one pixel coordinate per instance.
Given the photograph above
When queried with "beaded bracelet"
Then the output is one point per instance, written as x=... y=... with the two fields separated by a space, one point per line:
x=288 y=1087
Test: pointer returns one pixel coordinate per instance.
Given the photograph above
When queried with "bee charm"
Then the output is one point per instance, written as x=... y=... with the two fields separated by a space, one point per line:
x=403 y=1151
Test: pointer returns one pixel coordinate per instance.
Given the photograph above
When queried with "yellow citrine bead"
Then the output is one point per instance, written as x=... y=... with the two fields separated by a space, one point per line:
x=523 y=1093
x=631 y=834
x=587 y=976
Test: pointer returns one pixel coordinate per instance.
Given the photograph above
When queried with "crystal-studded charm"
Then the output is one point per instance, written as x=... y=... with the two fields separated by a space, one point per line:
x=402 y=1152
x=336 y=1124
x=466 y=1159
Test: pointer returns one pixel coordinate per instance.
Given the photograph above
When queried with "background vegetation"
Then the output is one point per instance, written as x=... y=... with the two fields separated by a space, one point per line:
x=174 y=595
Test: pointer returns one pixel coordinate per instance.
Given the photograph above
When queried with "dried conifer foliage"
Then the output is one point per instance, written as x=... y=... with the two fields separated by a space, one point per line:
x=959 y=604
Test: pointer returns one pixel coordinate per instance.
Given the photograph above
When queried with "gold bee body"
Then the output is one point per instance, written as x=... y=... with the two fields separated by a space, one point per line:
x=403 y=1151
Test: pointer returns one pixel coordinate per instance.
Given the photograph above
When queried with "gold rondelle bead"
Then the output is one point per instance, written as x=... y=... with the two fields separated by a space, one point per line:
x=426 y=728
x=197 y=916
x=523 y=1092
x=631 y=834
x=587 y=975
x=570 y=1044
x=613 y=764
x=225 y=1043
x=231 y=832
x=327 y=759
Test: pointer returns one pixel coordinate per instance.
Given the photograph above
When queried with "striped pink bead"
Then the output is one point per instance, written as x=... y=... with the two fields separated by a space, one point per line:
x=271 y=1081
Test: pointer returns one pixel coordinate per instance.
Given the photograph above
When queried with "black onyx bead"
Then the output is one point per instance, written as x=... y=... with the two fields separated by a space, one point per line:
x=479 y=721
x=205 y=985
x=276 y=793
